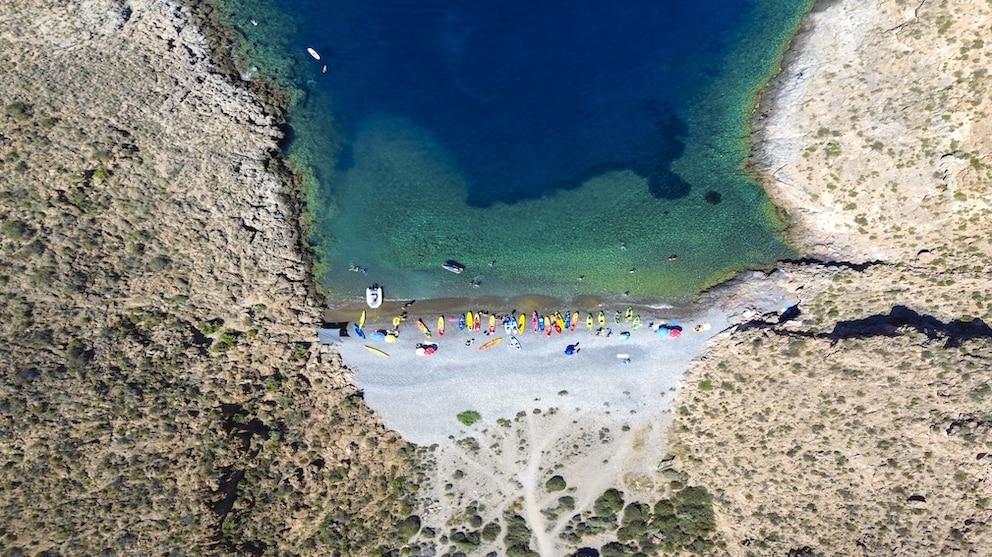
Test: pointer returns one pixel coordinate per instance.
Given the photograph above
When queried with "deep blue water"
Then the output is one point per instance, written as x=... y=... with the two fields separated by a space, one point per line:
x=543 y=135
x=528 y=97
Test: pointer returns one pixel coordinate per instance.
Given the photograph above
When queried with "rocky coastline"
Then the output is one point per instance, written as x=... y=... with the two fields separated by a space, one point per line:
x=164 y=392
x=859 y=426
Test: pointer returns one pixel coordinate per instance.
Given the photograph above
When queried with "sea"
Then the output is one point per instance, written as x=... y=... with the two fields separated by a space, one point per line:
x=578 y=150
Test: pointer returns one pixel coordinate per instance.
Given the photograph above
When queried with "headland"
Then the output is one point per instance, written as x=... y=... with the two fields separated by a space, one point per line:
x=165 y=387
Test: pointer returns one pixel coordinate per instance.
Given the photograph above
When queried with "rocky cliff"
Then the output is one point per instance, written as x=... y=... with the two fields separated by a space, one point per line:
x=862 y=426
x=161 y=388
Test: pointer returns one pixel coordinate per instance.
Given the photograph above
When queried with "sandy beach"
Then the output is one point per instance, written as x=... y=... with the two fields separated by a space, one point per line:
x=419 y=396
x=589 y=417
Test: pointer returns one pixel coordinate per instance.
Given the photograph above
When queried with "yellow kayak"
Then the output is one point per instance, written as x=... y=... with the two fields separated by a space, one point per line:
x=630 y=314
x=575 y=321
x=376 y=351
x=589 y=321
x=491 y=343
x=361 y=321
x=440 y=325
x=492 y=323
x=469 y=320
x=602 y=319
x=522 y=324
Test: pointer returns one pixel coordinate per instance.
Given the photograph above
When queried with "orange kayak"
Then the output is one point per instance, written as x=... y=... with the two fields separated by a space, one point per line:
x=491 y=343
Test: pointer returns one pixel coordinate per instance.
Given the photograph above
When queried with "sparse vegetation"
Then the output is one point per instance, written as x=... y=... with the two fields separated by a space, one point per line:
x=469 y=417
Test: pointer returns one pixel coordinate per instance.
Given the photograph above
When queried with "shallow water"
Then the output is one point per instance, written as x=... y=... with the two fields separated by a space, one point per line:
x=567 y=149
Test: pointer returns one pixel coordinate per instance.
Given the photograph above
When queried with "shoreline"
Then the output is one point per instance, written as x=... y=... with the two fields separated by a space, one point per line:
x=718 y=442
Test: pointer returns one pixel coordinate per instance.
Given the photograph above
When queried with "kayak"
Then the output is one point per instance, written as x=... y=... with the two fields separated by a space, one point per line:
x=478 y=321
x=533 y=320
x=358 y=331
x=492 y=323
x=461 y=322
x=540 y=322
x=423 y=328
x=547 y=326
x=376 y=351
x=514 y=343
x=491 y=343
x=589 y=321
x=630 y=313
x=575 y=321
x=361 y=320
x=557 y=326
x=602 y=319
x=440 y=326
x=313 y=53
x=568 y=320
x=469 y=320
x=522 y=324
x=637 y=322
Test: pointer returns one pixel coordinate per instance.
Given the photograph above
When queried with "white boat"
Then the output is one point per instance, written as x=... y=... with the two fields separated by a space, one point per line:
x=373 y=296
x=453 y=266
x=313 y=53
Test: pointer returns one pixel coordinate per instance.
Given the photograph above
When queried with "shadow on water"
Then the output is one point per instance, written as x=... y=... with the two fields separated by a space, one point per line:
x=661 y=146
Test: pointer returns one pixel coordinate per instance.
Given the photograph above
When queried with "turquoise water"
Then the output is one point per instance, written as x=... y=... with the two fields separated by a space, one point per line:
x=567 y=149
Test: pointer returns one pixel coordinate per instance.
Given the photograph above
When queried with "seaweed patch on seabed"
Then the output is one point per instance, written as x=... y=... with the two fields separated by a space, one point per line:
x=540 y=245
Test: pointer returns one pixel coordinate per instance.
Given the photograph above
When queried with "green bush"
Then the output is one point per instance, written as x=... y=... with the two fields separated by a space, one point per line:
x=491 y=531
x=19 y=111
x=517 y=533
x=101 y=173
x=609 y=503
x=408 y=527
x=555 y=483
x=469 y=417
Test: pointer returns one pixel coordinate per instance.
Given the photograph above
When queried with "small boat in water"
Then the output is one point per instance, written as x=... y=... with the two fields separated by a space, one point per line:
x=313 y=53
x=373 y=296
x=453 y=266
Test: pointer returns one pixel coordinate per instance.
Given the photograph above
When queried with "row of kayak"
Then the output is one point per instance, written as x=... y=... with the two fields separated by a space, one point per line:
x=557 y=322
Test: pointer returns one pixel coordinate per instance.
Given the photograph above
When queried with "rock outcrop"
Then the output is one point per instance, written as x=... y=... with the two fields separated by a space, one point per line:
x=860 y=427
x=162 y=389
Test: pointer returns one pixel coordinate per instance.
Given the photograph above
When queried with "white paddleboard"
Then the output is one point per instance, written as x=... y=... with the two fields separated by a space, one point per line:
x=313 y=53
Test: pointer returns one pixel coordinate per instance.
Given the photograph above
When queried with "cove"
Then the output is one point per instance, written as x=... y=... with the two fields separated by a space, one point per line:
x=565 y=149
